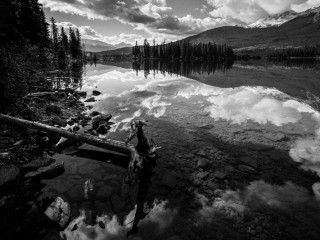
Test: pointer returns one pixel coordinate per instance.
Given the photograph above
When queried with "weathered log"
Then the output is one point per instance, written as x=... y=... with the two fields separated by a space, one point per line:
x=109 y=144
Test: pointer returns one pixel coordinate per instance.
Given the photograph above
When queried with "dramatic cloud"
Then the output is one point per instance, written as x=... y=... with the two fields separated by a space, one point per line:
x=249 y=11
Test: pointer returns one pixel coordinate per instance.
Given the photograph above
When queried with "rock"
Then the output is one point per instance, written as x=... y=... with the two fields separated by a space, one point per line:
x=76 y=128
x=218 y=192
x=245 y=168
x=8 y=174
x=92 y=99
x=169 y=180
x=57 y=120
x=202 y=175
x=102 y=129
x=43 y=161
x=70 y=122
x=203 y=163
x=229 y=168
x=117 y=203
x=219 y=174
x=82 y=93
x=53 y=109
x=94 y=113
x=70 y=150
x=201 y=153
x=105 y=192
x=95 y=121
x=212 y=185
x=249 y=161
x=95 y=93
x=59 y=211
x=196 y=182
x=106 y=117
x=46 y=171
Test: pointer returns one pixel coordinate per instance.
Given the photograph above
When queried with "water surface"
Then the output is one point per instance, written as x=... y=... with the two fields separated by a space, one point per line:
x=256 y=125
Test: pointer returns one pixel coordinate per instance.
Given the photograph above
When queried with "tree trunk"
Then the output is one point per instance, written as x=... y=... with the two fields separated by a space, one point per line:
x=109 y=144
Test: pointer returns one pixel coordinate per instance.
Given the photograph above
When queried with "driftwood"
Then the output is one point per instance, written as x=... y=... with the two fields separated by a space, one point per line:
x=109 y=144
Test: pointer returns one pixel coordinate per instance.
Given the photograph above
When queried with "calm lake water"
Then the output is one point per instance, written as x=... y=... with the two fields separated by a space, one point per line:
x=256 y=124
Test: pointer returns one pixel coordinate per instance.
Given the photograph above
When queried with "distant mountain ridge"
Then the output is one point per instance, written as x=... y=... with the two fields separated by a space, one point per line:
x=301 y=30
x=98 y=46
x=289 y=29
x=273 y=21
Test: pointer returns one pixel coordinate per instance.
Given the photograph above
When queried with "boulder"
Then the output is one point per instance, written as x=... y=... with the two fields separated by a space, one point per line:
x=102 y=129
x=95 y=93
x=59 y=211
x=8 y=174
x=106 y=117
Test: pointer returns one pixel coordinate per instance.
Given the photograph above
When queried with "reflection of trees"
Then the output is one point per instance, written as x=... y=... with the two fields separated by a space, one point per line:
x=181 y=68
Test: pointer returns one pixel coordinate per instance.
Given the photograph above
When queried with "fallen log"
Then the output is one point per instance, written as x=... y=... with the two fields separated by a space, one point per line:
x=109 y=144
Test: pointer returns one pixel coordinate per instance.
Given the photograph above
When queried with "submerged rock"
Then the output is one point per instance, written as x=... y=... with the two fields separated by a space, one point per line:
x=92 y=99
x=46 y=171
x=169 y=180
x=8 y=174
x=203 y=163
x=59 y=211
x=43 y=161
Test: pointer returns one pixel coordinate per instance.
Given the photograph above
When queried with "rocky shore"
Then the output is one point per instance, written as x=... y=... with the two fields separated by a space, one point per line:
x=26 y=157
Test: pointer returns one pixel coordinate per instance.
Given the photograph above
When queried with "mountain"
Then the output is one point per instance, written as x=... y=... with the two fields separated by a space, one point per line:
x=301 y=30
x=98 y=46
x=274 y=21
x=124 y=50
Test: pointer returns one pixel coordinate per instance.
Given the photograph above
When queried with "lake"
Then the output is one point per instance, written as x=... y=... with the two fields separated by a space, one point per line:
x=240 y=148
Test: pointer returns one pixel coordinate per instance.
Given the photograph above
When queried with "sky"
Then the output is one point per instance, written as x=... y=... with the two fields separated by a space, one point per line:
x=128 y=21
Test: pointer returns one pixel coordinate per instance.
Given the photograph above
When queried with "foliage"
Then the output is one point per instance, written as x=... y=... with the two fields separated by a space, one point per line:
x=183 y=50
x=301 y=52
x=27 y=51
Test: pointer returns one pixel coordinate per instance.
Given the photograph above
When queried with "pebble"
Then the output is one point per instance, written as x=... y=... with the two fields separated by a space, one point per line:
x=202 y=175
x=244 y=168
x=249 y=161
x=219 y=174
x=203 y=163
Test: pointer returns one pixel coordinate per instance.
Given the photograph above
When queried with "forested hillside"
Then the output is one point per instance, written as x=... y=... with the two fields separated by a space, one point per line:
x=28 y=50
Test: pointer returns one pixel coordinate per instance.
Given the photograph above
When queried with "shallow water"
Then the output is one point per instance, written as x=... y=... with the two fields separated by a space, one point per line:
x=255 y=124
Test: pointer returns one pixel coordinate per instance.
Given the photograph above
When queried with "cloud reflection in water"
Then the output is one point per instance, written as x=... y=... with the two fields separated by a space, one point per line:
x=133 y=96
